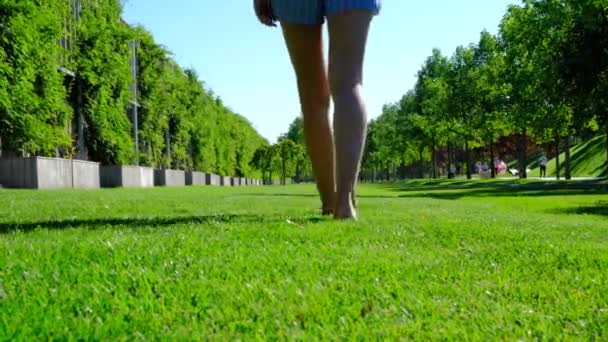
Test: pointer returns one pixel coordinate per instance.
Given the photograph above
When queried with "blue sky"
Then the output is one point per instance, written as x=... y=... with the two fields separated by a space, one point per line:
x=246 y=64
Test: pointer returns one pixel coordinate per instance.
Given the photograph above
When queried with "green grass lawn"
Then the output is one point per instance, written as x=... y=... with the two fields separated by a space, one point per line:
x=428 y=260
x=588 y=159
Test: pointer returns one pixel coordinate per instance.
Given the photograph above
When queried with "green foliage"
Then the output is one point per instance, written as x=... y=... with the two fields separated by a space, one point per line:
x=544 y=76
x=295 y=133
x=264 y=159
x=44 y=85
x=102 y=65
x=285 y=158
x=34 y=116
x=290 y=155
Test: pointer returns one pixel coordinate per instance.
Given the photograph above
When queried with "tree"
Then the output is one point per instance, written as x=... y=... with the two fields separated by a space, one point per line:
x=432 y=98
x=264 y=160
x=295 y=133
x=289 y=153
x=489 y=119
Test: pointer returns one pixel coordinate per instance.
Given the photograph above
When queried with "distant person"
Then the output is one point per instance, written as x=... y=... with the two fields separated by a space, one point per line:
x=543 y=165
x=348 y=24
x=502 y=168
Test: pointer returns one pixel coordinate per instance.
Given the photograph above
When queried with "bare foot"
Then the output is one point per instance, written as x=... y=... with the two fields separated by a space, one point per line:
x=329 y=205
x=345 y=210
x=327 y=212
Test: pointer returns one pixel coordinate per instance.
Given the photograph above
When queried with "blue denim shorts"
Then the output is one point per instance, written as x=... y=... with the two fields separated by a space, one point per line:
x=314 y=12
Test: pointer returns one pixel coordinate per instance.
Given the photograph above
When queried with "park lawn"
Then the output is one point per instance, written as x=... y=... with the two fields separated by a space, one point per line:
x=485 y=260
x=587 y=159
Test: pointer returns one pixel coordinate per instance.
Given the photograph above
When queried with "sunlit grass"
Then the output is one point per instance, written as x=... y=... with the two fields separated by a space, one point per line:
x=482 y=260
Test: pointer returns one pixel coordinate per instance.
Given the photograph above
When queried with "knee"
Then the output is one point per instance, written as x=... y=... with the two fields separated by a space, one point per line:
x=315 y=101
x=344 y=89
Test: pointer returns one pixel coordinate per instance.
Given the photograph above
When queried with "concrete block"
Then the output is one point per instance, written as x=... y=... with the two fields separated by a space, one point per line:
x=85 y=174
x=169 y=178
x=213 y=180
x=225 y=181
x=54 y=173
x=48 y=173
x=18 y=173
x=113 y=176
x=195 y=178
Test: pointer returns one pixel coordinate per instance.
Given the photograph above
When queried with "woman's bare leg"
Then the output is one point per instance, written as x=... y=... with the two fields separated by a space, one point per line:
x=348 y=37
x=305 y=45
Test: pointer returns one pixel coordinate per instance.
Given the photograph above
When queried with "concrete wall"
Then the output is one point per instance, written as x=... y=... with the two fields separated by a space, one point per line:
x=85 y=175
x=146 y=175
x=54 y=173
x=18 y=173
x=48 y=173
x=196 y=178
x=225 y=181
x=169 y=178
x=213 y=180
x=110 y=176
x=113 y=176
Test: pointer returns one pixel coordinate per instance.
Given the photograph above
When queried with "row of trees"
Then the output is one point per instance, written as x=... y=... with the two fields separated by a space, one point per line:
x=287 y=158
x=76 y=81
x=542 y=78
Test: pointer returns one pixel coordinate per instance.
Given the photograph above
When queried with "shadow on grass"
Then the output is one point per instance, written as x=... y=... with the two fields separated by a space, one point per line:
x=455 y=195
x=140 y=222
x=446 y=194
x=455 y=190
x=442 y=184
x=600 y=209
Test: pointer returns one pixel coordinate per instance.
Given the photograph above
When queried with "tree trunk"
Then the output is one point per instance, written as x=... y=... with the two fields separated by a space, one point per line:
x=451 y=174
x=168 y=147
x=422 y=162
x=521 y=152
x=468 y=161
x=283 y=172
x=493 y=172
x=434 y=173
x=557 y=151
x=606 y=129
x=81 y=152
x=568 y=172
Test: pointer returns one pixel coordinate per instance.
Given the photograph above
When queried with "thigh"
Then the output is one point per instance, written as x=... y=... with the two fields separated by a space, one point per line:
x=305 y=46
